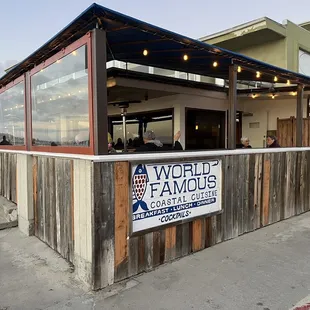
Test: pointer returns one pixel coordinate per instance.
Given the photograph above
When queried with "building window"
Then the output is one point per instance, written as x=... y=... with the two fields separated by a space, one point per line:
x=304 y=62
x=60 y=109
x=12 y=116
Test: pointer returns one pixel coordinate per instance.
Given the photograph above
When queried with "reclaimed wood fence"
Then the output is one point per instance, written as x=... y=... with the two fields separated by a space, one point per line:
x=259 y=189
x=8 y=176
x=286 y=132
x=53 y=203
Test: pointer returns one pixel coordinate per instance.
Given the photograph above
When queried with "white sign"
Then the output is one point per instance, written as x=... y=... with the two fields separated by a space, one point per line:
x=172 y=192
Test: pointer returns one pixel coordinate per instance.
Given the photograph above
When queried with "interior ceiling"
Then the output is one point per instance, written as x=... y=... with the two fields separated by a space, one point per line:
x=121 y=93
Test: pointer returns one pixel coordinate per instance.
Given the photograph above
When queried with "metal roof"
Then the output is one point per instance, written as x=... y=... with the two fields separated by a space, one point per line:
x=127 y=37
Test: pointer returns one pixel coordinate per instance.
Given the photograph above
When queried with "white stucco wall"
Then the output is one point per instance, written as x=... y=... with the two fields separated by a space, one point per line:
x=265 y=112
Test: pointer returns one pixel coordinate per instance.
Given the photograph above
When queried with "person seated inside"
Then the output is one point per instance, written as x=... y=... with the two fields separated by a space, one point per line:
x=272 y=142
x=245 y=143
x=5 y=141
x=119 y=144
x=151 y=144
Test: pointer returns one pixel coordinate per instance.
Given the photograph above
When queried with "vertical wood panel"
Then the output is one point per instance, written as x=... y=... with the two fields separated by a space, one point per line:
x=228 y=207
x=122 y=219
x=266 y=189
x=196 y=235
x=103 y=229
x=170 y=243
x=251 y=166
x=53 y=203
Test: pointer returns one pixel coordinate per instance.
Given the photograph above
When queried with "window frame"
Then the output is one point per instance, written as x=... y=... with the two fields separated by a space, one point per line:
x=4 y=89
x=86 y=150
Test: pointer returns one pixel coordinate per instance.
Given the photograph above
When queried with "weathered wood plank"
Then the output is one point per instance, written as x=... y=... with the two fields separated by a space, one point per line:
x=196 y=235
x=133 y=262
x=250 y=177
x=68 y=208
x=170 y=243
x=235 y=195
x=121 y=219
x=228 y=207
x=178 y=241
x=13 y=196
x=303 y=181
x=156 y=248
x=141 y=254
x=103 y=229
x=298 y=192
x=148 y=248
x=35 y=193
x=209 y=237
x=290 y=185
x=266 y=189
x=238 y=196
x=186 y=239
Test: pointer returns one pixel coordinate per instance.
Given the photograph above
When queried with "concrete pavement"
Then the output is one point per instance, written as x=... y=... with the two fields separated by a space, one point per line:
x=267 y=269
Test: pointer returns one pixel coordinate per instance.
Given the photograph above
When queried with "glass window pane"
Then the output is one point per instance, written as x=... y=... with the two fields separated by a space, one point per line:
x=60 y=102
x=304 y=62
x=12 y=116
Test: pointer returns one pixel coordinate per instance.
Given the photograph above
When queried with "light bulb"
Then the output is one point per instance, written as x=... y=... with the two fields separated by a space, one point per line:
x=74 y=53
x=196 y=127
x=239 y=69
x=258 y=74
x=288 y=82
x=275 y=79
x=215 y=64
x=145 y=52
x=273 y=96
x=185 y=57
x=253 y=96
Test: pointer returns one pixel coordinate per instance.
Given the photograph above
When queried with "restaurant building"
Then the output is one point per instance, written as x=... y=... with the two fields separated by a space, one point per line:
x=116 y=215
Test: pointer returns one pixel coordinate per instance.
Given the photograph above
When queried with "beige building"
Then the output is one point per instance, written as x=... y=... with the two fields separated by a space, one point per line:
x=285 y=45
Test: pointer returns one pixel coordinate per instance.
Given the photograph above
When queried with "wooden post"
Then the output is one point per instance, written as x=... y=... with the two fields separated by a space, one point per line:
x=299 y=115
x=232 y=98
x=100 y=97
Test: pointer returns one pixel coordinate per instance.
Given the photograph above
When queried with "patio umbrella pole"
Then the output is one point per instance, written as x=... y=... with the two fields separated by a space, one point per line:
x=123 y=113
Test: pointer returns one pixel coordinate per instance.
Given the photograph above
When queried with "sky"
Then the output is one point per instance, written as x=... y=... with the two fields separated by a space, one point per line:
x=26 y=25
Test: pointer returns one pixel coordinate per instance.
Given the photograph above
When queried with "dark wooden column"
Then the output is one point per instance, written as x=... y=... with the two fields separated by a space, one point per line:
x=299 y=115
x=100 y=97
x=232 y=112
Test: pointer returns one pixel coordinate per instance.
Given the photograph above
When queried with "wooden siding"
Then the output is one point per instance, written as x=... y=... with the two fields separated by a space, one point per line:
x=53 y=203
x=258 y=190
x=286 y=132
x=8 y=176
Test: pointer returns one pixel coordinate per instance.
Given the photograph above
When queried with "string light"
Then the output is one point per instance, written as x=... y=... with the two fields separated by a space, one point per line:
x=258 y=74
x=145 y=52
x=215 y=64
x=185 y=57
x=239 y=69
x=275 y=79
x=288 y=82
